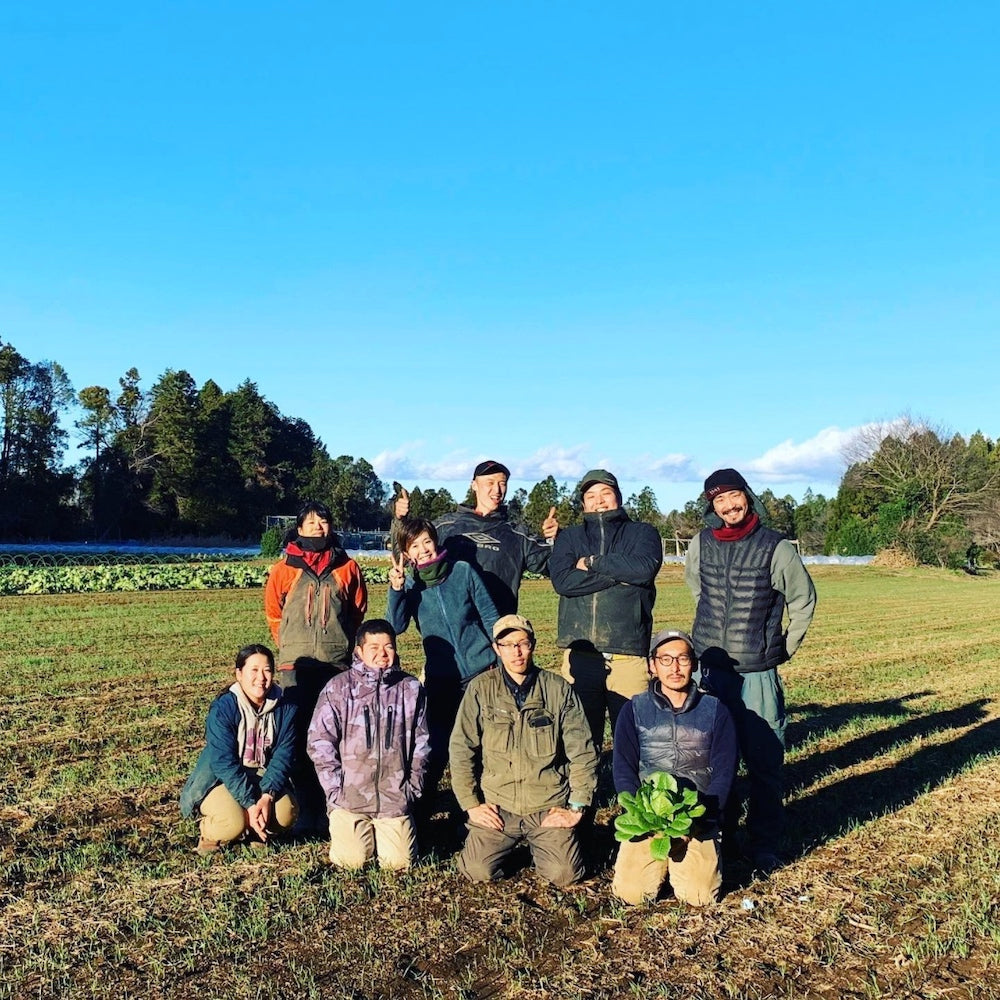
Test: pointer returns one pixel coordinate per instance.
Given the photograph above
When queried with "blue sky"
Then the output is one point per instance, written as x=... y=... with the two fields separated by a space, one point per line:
x=657 y=237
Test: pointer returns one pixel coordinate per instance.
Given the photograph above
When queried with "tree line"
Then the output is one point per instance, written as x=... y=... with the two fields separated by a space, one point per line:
x=179 y=459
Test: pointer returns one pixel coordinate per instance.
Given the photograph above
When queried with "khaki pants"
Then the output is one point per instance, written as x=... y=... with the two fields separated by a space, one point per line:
x=604 y=683
x=693 y=871
x=554 y=850
x=223 y=819
x=356 y=839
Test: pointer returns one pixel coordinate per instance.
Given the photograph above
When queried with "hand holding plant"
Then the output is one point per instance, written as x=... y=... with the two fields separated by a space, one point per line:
x=660 y=808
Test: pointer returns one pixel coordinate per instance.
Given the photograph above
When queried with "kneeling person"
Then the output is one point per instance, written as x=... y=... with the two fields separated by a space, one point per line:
x=674 y=727
x=368 y=741
x=241 y=786
x=523 y=764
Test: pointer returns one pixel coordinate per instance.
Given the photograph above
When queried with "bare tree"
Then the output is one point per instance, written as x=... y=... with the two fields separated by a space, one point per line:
x=925 y=464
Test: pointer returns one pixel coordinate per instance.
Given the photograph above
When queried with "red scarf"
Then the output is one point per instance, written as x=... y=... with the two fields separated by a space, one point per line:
x=727 y=534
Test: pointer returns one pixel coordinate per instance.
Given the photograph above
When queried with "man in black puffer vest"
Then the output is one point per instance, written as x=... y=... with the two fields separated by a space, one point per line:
x=674 y=727
x=744 y=578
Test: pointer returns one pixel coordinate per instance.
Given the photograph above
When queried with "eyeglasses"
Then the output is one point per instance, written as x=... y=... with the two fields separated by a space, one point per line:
x=666 y=660
x=524 y=644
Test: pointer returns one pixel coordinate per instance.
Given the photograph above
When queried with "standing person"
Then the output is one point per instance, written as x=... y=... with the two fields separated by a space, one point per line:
x=368 y=741
x=315 y=599
x=523 y=764
x=454 y=613
x=603 y=571
x=744 y=577
x=484 y=536
x=241 y=785
x=674 y=727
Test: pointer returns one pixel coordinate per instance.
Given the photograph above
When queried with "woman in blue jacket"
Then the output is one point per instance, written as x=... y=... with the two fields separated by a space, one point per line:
x=455 y=614
x=240 y=786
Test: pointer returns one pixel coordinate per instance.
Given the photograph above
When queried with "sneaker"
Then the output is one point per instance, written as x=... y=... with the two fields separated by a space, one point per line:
x=206 y=847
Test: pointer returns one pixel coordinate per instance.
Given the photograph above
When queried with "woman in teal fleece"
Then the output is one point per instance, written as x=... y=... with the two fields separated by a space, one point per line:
x=455 y=614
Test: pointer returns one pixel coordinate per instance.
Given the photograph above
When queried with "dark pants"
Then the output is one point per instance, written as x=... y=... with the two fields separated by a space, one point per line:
x=302 y=686
x=757 y=703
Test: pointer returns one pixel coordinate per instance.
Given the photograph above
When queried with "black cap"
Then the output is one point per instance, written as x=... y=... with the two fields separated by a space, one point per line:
x=490 y=468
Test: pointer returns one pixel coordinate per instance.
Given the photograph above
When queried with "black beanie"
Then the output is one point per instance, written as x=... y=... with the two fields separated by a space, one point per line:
x=723 y=480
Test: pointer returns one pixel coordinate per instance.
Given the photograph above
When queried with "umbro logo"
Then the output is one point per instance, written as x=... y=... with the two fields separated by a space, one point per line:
x=481 y=539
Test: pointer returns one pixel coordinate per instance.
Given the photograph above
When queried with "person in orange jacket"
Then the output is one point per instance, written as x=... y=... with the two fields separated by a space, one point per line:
x=314 y=599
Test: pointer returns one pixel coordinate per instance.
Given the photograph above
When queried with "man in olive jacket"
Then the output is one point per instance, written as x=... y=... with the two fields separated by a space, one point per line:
x=603 y=571
x=522 y=763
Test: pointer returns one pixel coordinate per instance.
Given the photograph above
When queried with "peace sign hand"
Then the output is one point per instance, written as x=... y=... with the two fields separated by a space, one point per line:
x=397 y=575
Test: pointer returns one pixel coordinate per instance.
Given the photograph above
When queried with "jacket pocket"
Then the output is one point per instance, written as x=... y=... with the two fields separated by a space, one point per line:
x=540 y=727
x=498 y=729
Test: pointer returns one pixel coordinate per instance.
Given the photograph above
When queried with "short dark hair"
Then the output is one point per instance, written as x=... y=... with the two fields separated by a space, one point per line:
x=411 y=528
x=313 y=507
x=252 y=650
x=374 y=626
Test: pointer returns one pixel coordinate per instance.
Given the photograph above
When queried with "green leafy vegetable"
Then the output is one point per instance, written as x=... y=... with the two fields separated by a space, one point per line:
x=659 y=808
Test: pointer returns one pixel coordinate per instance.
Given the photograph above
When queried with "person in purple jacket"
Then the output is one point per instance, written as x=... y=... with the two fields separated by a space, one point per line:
x=369 y=744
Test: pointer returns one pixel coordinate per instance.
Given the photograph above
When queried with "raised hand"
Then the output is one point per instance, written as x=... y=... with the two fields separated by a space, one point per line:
x=397 y=575
x=550 y=526
x=402 y=507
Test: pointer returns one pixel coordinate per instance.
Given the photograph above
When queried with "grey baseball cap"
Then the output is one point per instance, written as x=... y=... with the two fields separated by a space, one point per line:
x=665 y=635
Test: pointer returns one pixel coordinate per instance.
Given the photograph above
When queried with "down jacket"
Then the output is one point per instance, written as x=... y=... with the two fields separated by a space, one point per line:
x=695 y=743
x=368 y=741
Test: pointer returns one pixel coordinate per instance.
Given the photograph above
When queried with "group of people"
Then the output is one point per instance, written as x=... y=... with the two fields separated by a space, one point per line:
x=335 y=737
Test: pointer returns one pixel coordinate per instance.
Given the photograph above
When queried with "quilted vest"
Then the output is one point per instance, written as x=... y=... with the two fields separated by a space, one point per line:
x=678 y=742
x=738 y=609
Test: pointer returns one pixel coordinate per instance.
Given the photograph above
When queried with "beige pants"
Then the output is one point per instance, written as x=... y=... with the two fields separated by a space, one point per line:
x=693 y=871
x=223 y=819
x=604 y=684
x=356 y=839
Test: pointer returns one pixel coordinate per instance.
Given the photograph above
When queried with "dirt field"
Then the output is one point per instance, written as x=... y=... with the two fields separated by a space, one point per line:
x=892 y=886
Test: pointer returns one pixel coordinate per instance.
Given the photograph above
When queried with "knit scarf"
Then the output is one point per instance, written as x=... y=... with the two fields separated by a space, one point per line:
x=727 y=534
x=255 y=735
x=430 y=574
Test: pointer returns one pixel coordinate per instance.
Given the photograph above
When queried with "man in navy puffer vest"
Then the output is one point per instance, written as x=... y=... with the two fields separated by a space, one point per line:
x=676 y=728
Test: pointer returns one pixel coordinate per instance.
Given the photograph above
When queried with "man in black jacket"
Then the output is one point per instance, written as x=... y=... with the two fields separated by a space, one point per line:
x=482 y=535
x=603 y=571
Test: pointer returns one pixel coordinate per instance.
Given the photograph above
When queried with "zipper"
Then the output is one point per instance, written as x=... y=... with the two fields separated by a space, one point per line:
x=593 y=597
x=378 y=748
x=451 y=633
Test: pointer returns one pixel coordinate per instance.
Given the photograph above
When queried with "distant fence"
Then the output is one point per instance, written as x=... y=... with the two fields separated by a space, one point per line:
x=680 y=546
x=349 y=538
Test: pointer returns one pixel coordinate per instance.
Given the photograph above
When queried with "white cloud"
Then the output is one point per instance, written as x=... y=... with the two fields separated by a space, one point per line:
x=565 y=464
x=819 y=458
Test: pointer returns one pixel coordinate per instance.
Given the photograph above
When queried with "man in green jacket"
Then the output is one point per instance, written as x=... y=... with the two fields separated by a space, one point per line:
x=523 y=764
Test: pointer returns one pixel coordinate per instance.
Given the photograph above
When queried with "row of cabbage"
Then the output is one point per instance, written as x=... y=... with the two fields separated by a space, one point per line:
x=19 y=580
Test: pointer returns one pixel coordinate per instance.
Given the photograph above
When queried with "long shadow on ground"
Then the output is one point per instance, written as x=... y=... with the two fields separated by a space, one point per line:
x=832 y=811
x=803 y=772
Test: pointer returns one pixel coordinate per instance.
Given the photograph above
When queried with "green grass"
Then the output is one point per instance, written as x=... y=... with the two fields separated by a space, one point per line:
x=891 y=889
